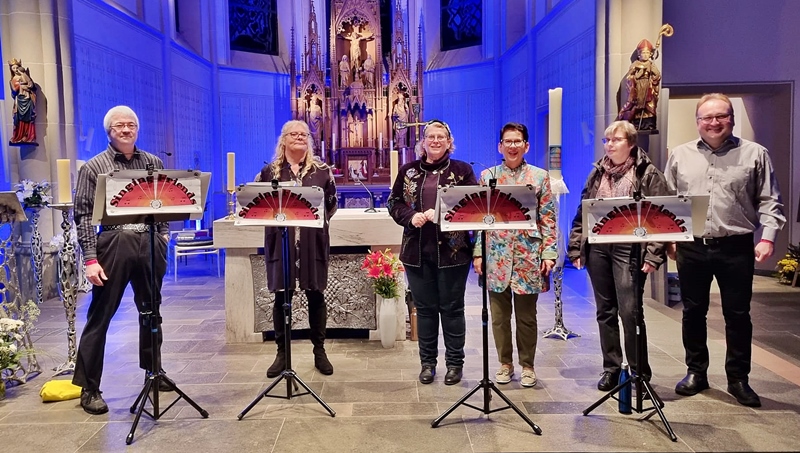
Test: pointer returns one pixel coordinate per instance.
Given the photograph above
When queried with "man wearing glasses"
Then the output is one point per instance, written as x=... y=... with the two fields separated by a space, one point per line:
x=737 y=175
x=118 y=255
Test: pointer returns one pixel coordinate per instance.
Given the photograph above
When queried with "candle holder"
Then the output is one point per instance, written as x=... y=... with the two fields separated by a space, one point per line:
x=231 y=204
x=67 y=286
x=559 y=330
x=37 y=252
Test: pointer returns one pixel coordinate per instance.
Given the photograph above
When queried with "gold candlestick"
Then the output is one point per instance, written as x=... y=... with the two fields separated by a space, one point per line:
x=231 y=205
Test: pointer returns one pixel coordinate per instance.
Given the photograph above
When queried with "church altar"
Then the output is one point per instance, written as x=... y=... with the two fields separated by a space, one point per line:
x=349 y=296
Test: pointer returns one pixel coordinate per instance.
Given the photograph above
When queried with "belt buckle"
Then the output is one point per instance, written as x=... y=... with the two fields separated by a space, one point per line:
x=709 y=241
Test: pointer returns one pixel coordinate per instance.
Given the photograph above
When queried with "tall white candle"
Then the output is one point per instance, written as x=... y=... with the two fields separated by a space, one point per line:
x=380 y=141
x=394 y=159
x=64 y=181
x=231 y=172
x=554 y=129
x=333 y=142
x=322 y=150
x=554 y=132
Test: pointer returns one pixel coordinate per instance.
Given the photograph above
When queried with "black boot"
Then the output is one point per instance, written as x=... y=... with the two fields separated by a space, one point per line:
x=279 y=364
x=317 y=321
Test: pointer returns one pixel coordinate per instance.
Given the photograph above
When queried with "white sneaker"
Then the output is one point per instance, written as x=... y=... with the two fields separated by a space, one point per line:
x=528 y=378
x=504 y=374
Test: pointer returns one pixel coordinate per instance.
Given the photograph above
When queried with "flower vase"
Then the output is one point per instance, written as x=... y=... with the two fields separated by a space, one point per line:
x=387 y=321
x=37 y=253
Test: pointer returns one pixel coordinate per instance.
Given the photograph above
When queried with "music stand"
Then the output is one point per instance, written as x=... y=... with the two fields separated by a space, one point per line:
x=636 y=220
x=486 y=208
x=269 y=204
x=151 y=196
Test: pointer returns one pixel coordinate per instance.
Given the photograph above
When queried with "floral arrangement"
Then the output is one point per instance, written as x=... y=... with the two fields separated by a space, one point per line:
x=10 y=335
x=787 y=266
x=385 y=270
x=15 y=325
x=34 y=195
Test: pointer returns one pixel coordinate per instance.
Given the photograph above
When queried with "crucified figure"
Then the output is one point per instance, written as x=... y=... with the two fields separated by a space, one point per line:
x=355 y=37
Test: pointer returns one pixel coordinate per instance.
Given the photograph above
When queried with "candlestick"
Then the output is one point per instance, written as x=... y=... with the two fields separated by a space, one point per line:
x=231 y=172
x=231 y=205
x=554 y=132
x=63 y=180
x=393 y=164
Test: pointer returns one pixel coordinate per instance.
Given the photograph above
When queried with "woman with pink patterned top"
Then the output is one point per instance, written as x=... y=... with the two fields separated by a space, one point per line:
x=518 y=261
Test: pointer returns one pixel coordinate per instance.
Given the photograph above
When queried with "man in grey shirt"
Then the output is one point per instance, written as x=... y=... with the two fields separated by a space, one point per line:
x=118 y=255
x=737 y=176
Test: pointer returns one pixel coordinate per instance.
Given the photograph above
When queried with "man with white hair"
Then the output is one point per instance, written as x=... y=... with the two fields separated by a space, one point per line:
x=116 y=256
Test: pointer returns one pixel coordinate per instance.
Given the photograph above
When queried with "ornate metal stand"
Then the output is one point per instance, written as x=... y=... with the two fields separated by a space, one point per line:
x=559 y=330
x=37 y=254
x=67 y=286
x=12 y=305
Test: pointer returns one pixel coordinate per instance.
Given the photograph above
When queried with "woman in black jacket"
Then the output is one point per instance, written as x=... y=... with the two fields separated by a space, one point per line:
x=624 y=170
x=295 y=162
x=436 y=262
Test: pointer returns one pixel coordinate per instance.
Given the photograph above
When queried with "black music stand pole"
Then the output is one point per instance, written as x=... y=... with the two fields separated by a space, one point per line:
x=486 y=384
x=288 y=373
x=643 y=387
x=151 y=317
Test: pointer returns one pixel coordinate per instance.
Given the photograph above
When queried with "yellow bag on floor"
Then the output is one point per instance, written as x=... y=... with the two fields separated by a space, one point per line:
x=59 y=390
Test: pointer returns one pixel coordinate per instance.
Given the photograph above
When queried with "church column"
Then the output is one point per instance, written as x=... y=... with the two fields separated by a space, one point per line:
x=39 y=32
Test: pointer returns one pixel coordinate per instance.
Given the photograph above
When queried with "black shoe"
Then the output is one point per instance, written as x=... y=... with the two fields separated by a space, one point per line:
x=744 y=394
x=691 y=385
x=453 y=375
x=427 y=374
x=92 y=402
x=608 y=381
x=321 y=362
x=277 y=366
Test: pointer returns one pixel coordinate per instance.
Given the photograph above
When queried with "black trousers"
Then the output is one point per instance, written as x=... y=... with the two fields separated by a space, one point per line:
x=615 y=296
x=731 y=261
x=125 y=258
x=439 y=293
x=317 y=318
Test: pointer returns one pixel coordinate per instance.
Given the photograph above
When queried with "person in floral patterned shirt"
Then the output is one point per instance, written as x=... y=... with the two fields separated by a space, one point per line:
x=518 y=261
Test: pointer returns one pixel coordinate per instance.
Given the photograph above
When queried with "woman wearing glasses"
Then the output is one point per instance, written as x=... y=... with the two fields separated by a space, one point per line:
x=295 y=163
x=518 y=260
x=623 y=170
x=436 y=262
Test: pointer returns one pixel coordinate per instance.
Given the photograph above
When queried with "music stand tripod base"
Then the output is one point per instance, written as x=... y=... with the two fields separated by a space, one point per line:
x=292 y=380
x=486 y=384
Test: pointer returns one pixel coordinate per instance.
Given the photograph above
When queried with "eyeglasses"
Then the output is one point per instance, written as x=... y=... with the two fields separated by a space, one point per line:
x=512 y=143
x=121 y=126
x=437 y=138
x=298 y=135
x=723 y=118
x=614 y=140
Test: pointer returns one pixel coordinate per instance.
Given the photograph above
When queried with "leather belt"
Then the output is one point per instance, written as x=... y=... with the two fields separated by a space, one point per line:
x=135 y=227
x=724 y=240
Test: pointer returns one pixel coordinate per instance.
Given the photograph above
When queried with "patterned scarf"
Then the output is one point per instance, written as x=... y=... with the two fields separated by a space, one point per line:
x=617 y=180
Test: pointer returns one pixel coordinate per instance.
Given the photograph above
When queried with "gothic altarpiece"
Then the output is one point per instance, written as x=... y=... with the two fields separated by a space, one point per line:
x=359 y=111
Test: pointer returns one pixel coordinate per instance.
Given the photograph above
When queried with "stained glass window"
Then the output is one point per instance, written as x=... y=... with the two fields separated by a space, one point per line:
x=253 y=26
x=461 y=23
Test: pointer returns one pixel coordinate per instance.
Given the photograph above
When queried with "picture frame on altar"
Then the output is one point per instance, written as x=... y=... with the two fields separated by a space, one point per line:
x=358 y=169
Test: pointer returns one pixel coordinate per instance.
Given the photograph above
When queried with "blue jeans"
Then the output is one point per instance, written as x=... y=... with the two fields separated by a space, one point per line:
x=439 y=293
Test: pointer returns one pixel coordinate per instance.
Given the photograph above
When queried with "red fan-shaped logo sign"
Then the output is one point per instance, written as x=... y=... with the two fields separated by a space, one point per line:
x=639 y=219
x=149 y=192
x=279 y=205
x=500 y=206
